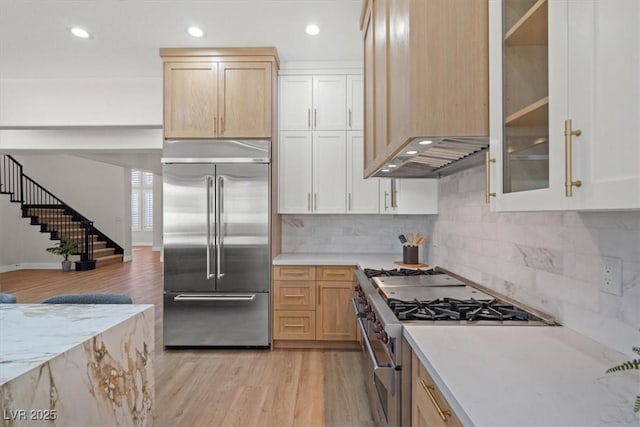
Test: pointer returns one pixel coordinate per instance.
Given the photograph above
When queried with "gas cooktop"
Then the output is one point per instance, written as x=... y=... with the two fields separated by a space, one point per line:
x=399 y=272
x=435 y=295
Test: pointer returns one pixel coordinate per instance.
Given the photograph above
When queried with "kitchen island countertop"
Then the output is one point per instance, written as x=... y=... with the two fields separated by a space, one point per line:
x=368 y=260
x=79 y=364
x=526 y=375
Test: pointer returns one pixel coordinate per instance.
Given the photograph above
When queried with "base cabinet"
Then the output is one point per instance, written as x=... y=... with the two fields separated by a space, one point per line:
x=428 y=405
x=313 y=303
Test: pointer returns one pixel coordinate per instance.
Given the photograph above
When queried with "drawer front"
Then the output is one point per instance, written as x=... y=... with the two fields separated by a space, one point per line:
x=294 y=325
x=429 y=407
x=294 y=295
x=294 y=272
x=336 y=273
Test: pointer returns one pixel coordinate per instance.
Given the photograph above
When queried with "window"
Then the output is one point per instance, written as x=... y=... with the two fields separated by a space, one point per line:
x=141 y=201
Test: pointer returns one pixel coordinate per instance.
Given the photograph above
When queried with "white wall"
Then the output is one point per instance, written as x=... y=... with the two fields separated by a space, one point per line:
x=96 y=190
x=80 y=102
x=23 y=246
x=81 y=114
x=549 y=260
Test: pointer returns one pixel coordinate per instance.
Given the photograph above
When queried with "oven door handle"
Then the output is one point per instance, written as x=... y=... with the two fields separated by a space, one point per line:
x=354 y=302
x=385 y=374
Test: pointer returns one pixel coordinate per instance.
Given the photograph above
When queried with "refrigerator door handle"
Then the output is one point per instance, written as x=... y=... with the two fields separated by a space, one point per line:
x=219 y=239
x=209 y=212
x=220 y=297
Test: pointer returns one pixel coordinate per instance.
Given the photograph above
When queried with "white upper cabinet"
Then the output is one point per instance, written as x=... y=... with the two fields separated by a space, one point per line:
x=604 y=102
x=355 y=102
x=296 y=102
x=295 y=173
x=312 y=172
x=313 y=102
x=568 y=137
x=408 y=196
x=362 y=194
x=329 y=102
x=329 y=172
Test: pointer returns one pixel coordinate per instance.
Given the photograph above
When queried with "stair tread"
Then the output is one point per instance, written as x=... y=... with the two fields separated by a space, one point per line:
x=103 y=252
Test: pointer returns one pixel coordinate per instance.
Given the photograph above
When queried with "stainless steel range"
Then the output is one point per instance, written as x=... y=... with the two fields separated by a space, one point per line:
x=387 y=299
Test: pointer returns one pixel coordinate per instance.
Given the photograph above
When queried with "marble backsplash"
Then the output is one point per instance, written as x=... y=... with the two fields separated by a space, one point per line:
x=350 y=233
x=549 y=260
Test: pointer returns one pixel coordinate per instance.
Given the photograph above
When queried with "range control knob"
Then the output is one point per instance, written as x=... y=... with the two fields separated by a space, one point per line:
x=383 y=337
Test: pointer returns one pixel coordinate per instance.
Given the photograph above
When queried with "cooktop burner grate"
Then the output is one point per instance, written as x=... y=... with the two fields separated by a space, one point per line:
x=370 y=272
x=453 y=309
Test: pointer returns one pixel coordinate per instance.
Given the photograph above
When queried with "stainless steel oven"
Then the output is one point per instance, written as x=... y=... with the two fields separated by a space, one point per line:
x=381 y=346
x=433 y=297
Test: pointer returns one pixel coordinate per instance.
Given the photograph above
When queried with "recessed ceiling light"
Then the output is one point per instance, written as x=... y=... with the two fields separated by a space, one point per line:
x=392 y=166
x=80 y=32
x=385 y=170
x=312 y=29
x=195 y=31
x=412 y=152
x=425 y=142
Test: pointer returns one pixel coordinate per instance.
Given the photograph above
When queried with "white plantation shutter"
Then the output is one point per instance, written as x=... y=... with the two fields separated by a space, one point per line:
x=148 y=210
x=135 y=210
x=141 y=201
x=136 y=178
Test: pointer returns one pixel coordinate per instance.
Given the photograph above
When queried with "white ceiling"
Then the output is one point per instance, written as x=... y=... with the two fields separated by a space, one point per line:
x=35 y=41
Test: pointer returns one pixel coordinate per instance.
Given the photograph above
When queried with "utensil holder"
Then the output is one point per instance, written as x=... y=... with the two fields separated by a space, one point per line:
x=410 y=254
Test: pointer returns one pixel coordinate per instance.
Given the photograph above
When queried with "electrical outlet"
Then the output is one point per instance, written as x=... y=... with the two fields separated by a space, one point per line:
x=611 y=275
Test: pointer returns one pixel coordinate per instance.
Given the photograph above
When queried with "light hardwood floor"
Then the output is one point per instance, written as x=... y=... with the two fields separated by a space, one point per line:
x=219 y=387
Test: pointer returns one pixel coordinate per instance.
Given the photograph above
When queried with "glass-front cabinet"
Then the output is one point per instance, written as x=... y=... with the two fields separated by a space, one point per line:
x=526 y=156
x=525 y=96
x=564 y=105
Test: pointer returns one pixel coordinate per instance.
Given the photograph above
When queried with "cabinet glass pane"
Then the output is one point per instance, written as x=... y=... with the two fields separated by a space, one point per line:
x=525 y=95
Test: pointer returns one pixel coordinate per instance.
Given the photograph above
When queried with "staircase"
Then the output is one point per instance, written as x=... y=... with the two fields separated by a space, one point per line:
x=55 y=217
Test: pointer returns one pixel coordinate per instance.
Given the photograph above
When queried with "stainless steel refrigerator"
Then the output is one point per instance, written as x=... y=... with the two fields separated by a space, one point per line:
x=217 y=263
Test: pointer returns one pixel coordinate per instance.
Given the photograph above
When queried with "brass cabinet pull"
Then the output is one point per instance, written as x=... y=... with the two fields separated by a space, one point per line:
x=386 y=200
x=349 y=202
x=487 y=171
x=221 y=125
x=349 y=118
x=309 y=118
x=444 y=413
x=569 y=183
x=293 y=296
x=215 y=125
x=293 y=325
x=319 y=294
x=315 y=118
x=315 y=201
x=294 y=273
x=309 y=202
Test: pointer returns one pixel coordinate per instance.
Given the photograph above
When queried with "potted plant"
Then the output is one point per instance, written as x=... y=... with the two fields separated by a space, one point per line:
x=626 y=366
x=65 y=248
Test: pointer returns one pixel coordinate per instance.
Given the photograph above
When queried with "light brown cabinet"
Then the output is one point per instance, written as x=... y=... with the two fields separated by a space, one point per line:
x=218 y=93
x=426 y=73
x=428 y=405
x=313 y=303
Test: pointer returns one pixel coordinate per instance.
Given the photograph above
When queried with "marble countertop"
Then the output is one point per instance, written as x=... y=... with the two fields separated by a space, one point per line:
x=526 y=375
x=369 y=260
x=32 y=334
